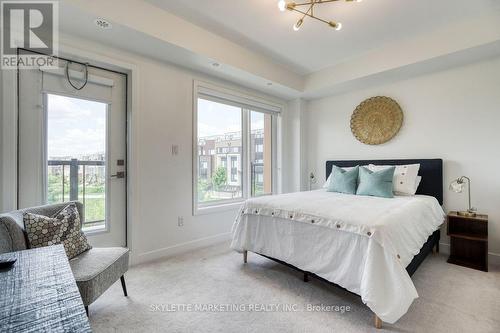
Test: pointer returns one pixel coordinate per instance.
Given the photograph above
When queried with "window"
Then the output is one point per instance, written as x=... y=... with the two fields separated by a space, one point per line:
x=234 y=169
x=261 y=158
x=222 y=124
x=238 y=139
x=223 y=161
x=76 y=155
x=260 y=178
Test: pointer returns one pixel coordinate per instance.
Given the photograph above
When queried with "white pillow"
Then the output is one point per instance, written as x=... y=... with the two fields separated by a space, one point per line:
x=405 y=180
x=417 y=183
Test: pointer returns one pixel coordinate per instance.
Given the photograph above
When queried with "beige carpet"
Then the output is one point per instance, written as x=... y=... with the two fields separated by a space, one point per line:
x=452 y=298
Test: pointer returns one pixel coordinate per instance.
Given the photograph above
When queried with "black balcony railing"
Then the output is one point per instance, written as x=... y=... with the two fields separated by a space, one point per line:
x=75 y=184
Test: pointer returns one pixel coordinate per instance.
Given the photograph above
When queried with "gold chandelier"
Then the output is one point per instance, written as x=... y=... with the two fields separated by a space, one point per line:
x=297 y=7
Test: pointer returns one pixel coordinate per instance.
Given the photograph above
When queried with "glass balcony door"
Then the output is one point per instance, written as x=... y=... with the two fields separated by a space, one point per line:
x=73 y=146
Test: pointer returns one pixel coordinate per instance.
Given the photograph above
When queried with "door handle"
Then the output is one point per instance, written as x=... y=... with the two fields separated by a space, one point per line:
x=118 y=175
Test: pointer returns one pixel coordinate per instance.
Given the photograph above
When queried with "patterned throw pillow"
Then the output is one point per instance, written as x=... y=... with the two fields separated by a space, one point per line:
x=63 y=228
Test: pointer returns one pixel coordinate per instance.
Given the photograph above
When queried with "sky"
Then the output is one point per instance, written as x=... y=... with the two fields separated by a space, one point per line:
x=75 y=127
x=217 y=119
x=78 y=127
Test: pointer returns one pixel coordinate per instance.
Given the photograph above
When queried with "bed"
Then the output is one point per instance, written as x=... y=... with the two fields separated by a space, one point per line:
x=369 y=246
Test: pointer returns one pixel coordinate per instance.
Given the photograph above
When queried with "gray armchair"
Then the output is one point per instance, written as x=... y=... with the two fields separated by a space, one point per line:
x=94 y=270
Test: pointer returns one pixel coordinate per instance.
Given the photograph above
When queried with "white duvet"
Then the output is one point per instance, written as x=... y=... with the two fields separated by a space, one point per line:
x=358 y=242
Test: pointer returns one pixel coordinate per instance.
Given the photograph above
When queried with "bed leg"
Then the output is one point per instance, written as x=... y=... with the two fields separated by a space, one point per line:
x=306 y=277
x=435 y=249
x=245 y=256
x=378 y=322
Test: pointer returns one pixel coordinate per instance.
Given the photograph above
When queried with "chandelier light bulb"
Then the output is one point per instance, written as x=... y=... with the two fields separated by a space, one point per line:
x=282 y=5
x=335 y=25
x=297 y=25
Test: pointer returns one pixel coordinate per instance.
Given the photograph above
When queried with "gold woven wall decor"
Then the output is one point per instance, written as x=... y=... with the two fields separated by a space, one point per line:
x=376 y=120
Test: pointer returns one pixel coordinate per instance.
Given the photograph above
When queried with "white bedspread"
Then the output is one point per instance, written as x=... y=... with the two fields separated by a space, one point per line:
x=358 y=242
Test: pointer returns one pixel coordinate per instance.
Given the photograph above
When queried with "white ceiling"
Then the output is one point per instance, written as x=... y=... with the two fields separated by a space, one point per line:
x=381 y=39
x=75 y=22
x=368 y=25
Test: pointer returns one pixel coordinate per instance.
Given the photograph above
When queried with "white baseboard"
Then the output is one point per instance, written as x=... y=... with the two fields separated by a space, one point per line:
x=493 y=258
x=178 y=248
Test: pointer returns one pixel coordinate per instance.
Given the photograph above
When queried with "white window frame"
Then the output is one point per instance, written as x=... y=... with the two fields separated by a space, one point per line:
x=247 y=102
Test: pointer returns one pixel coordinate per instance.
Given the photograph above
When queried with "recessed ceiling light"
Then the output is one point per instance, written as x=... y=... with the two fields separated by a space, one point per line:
x=103 y=23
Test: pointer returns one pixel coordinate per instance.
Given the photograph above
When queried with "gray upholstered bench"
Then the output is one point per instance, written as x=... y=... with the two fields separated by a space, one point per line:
x=94 y=270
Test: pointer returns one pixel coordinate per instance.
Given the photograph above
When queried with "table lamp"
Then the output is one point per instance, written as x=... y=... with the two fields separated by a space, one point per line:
x=312 y=180
x=458 y=186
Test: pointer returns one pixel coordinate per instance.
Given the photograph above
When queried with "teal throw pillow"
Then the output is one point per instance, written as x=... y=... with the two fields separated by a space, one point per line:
x=343 y=181
x=377 y=184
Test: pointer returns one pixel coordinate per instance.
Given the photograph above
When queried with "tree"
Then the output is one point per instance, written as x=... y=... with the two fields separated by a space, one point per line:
x=203 y=190
x=219 y=178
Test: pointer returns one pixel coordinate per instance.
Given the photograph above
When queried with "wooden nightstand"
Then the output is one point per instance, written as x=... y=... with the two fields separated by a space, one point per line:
x=468 y=240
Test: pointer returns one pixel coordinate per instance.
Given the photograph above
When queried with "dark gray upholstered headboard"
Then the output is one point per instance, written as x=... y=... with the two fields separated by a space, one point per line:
x=431 y=171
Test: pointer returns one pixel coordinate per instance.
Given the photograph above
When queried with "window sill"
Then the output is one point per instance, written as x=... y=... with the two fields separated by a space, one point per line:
x=90 y=231
x=217 y=208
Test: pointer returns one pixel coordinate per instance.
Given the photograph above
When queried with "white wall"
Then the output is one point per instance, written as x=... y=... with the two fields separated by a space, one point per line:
x=161 y=184
x=164 y=182
x=293 y=156
x=453 y=115
x=8 y=137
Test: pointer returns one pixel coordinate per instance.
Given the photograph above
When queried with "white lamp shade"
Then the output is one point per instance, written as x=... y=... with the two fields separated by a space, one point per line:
x=457 y=186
